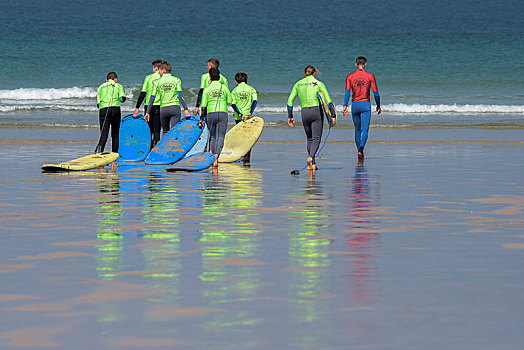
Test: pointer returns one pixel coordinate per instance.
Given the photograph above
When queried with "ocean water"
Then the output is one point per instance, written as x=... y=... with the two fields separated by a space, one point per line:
x=451 y=62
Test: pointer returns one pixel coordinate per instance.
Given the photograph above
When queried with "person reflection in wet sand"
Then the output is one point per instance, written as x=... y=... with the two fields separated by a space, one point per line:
x=361 y=239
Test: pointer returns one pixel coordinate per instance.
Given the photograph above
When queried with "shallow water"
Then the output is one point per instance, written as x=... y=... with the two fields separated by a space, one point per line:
x=421 y=247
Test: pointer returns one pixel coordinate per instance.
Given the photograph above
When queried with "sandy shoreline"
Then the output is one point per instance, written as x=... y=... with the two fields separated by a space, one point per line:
x=426 y=235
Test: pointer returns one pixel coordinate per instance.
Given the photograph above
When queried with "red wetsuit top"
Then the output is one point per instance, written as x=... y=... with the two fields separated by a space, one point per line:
x=360 y=82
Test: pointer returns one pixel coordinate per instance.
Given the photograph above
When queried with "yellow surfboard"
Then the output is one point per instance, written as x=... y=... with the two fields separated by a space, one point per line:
x=85 y=163
x=325 y=107
x=240 y=139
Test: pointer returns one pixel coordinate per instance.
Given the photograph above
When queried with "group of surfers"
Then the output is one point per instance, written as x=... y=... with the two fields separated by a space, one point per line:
x=163 y=98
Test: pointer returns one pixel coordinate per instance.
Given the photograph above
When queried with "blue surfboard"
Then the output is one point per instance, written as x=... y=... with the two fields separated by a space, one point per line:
x=134 y=139
x=196 y=162
x=174 y=145
x=200 y=145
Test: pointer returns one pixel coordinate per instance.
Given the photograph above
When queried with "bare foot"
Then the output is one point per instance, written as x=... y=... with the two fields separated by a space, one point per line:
x=100 y=169
x=215 y=162
x=114 y=166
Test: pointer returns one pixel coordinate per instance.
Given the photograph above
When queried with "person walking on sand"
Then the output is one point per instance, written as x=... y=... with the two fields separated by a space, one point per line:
x=205 y=81
x=145 y=94
x=168 y=89
x=215 y=99
x=312 y=116
x=361 y=82
x=244 y=103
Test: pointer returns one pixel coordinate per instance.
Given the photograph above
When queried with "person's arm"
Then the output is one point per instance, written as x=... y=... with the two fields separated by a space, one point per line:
x=375 y=93
x=290 y=101
x=122 y=96
x=346 y=96
x=203 y=109
x=141 y=98
x=377 y=101
x=229 y=98
x=200 y=93
x=253 y=106
x=199 y=98
x=149 y=106
x=98 y=98
x=202 y=117
x=236 y=109
x=254 y=96
x=183 y=103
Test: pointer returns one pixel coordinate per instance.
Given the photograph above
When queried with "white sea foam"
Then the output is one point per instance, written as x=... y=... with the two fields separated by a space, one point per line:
x=59 y=107
x=47 y=94
x=82 y=99
x=451 y=109
x=402 y=108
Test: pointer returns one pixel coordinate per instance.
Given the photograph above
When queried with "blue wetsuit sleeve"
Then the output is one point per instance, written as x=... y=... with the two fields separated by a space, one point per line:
x=377 y=98
x=235 y=108
x=253 y=105
x=182 y=100
x=346 y=97
x=289 y=111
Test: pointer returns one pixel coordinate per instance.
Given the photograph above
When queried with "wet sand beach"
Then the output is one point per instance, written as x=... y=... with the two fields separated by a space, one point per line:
x=420 y=247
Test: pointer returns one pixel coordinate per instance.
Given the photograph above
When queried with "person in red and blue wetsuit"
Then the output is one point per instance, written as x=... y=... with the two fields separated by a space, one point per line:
x=361 y=82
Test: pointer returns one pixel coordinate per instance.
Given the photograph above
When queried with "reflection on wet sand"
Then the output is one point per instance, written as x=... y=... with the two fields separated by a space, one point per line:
x=360 y=197
x=309 y=285
x=110 y=212
x=229 y=238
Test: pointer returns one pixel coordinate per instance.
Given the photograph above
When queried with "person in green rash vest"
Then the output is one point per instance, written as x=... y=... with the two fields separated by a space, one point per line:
x=168 y=90
x=205 y=81
x=312 y=116
x=215 y=99
x=244 y=103
x=145 y=94
x=108 y=98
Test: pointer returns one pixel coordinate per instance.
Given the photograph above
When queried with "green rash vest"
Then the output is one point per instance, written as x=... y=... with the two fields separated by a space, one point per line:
x=243 y=97
x=210 y=97
x=307 y=89
x=149 y=88
x=144 y=87
x=205 y=80
x=109 y=94
x=166 y=90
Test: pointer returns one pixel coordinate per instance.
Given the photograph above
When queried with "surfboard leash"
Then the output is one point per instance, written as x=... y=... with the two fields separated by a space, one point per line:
x=296 y=171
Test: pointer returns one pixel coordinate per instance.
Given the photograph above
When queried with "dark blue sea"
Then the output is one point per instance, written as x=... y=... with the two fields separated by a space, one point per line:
x=437 y=63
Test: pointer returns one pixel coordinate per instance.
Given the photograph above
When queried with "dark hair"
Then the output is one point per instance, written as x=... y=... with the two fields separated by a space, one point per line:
x=309 y=70
x=166 y=66
x=111 y=76
x=214 y=62
x=156 y=63
x=214 y=74
x=361 y=60
x=241 y=77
